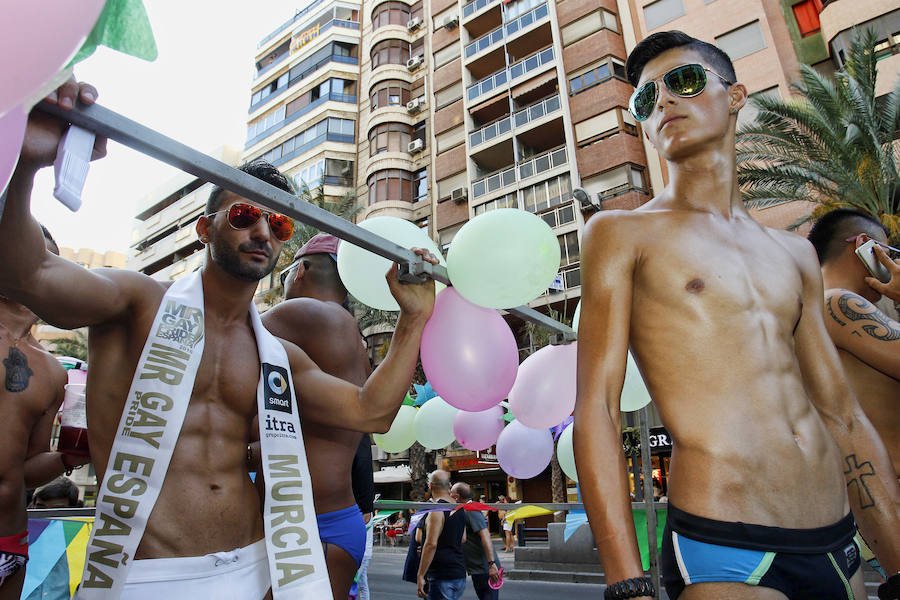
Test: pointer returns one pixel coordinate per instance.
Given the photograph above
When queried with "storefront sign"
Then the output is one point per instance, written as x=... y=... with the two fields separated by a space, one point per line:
x=660 y=441
x=476 y=460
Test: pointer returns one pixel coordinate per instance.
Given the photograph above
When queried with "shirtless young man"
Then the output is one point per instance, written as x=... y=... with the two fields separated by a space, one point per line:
x=207 y=506
x=33 y=389
x=313 y=317
x=724 y=318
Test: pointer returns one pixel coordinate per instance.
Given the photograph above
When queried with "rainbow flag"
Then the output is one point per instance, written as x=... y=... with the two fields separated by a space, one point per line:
x=56 y=553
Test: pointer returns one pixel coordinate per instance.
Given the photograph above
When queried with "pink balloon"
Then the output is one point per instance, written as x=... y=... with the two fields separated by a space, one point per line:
x=524 y=452
x=544 y=392
x=12 y=132
x=37 y=39
x=469 y=353
x=478 y=430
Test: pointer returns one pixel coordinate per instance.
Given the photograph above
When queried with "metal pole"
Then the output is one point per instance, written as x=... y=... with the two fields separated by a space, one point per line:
x=643 y=418
x=114 y=126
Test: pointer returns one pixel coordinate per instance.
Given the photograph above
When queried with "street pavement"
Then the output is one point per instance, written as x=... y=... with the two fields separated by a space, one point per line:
x=385 y=584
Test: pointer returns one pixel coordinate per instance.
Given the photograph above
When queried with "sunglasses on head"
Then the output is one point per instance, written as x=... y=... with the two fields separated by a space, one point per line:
x=287 y=271
x=242 y=216
x=686 y=81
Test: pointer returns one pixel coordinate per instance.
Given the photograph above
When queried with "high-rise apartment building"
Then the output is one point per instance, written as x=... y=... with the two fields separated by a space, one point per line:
x=439 y=110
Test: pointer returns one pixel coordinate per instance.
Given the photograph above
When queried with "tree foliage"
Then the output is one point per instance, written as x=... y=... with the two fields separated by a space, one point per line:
x=831 y=143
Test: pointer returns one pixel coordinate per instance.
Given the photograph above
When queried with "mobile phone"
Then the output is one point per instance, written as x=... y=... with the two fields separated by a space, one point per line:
x=866 y=254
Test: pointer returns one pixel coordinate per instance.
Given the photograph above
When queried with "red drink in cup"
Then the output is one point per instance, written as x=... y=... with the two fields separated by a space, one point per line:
x=73 y=438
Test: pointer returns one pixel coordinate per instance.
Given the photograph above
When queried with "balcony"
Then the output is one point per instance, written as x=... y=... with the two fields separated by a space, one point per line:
x=475 y=6
x=518 y=119
x=520 y=171
x=332 y=96
x=297 y=16
x=496 y=36
x=293 y=51
x=292 y=78
x=510 y=74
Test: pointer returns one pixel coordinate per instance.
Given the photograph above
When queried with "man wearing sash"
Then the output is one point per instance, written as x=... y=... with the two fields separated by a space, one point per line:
x=313 y=317
x=33 y=388
x=178 y=376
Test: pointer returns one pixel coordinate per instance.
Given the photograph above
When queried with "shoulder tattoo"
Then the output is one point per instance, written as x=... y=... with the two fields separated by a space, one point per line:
x=856 y=475
x=17 y=371
x=855 y=308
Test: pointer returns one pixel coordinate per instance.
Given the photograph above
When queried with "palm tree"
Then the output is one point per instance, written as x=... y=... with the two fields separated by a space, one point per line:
x=76 y=346
x=831 y=143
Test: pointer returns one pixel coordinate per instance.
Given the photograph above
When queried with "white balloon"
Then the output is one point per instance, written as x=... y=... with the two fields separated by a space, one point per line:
x=401 y=434
x=576 y=317
x=434 y=424
x=635 y=395
x=565 y=453
x=362 y=272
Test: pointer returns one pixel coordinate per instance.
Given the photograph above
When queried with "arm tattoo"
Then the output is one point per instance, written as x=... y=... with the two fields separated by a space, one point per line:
x=17 y=371
x=879 y=327
x=834 y=315
x=856 y=474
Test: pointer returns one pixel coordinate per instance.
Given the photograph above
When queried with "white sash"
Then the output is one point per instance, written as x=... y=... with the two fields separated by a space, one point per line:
x=146 y=437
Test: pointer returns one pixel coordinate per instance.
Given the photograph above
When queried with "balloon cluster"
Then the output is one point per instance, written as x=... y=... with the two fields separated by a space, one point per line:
x=500 y=259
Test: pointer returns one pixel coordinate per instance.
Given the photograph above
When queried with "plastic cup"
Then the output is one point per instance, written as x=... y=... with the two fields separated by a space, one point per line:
x=73 y=438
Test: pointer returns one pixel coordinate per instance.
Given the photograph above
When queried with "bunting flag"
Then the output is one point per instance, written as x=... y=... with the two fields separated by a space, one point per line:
x=56 y=557
x=574 y=521
x=640 y=526
x=123 y=26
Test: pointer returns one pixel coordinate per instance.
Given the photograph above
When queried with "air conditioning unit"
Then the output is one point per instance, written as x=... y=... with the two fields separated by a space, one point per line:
x=415 y=105
x=586 y=199
x=414 y=63
x=451 y=22
x=459 y=195
x=415 y=146
x=414 y=24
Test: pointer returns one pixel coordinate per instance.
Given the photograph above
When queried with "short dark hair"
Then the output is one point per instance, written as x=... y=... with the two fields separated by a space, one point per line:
x=61 y=488
x=655 y=44
x=829 y=234
x=54 y=247
x=463 y=491
x=261 y=170
x=323 y=271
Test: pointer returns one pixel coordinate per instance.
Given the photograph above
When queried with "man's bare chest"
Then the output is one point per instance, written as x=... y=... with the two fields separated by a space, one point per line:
x=32 y=379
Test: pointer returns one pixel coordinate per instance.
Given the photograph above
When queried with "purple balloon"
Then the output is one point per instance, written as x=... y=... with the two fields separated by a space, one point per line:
x=524 y=452
x=478 y=430
x=12 y=132
x=469 y=353
x=544 y=393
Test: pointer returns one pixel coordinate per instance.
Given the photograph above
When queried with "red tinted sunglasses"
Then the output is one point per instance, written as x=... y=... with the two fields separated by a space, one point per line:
x=242 y=216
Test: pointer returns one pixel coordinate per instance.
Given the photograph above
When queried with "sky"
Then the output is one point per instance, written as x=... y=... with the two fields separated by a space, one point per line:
x=197 y=91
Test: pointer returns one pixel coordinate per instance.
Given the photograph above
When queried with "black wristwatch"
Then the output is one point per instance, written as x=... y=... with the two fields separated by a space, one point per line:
x=491 y=562
x=636 y=587
x=890 y=589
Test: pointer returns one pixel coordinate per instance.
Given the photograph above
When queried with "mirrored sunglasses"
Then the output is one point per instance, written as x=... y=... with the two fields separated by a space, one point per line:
x=242 y=216
x=685 y=81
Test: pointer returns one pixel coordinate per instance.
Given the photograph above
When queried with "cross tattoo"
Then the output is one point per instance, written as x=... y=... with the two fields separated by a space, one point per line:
x=856 y=474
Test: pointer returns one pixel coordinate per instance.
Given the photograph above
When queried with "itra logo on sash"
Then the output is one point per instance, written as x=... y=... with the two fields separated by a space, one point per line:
x=278 y=395
x=181 y=324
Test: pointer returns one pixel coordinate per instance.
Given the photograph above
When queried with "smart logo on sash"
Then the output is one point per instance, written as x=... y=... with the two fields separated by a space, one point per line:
x=181 y=324
x=278 y=395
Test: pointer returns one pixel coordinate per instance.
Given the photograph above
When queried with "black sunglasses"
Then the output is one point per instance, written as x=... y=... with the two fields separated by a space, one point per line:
x=686 y=81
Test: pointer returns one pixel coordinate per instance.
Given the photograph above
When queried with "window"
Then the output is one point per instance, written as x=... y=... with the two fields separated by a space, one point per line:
x=597 y=73
x=569 y=251
x=420 y=185
x=560 y=216
x=338 y=130
x=391 y=92
x=507 y=201
x=389 y=137
x=448 y=95
x=807 y=15
x=597 y=127
x=662 y=11
x=419 y=131
x=547 y=194
x=742 y=41
x=390 y=184
x=393 y=52
x=338 y=172
x=390 y=13
x=450 y=139
x=445 y=55
x=310 y=177
x=589 y=24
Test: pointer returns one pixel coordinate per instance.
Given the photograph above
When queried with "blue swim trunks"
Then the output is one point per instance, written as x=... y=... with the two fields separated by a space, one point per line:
x=803 y=564
x=346 y=529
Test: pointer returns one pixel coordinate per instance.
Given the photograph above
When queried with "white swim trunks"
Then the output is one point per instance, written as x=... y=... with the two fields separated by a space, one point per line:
x=241 y=574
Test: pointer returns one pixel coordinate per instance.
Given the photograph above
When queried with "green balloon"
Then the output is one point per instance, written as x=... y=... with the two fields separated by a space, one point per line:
x=565 y=453
x=434 y=424
x=362 y=272
x=635 y=395
x=401 y=435
x=503 y=258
